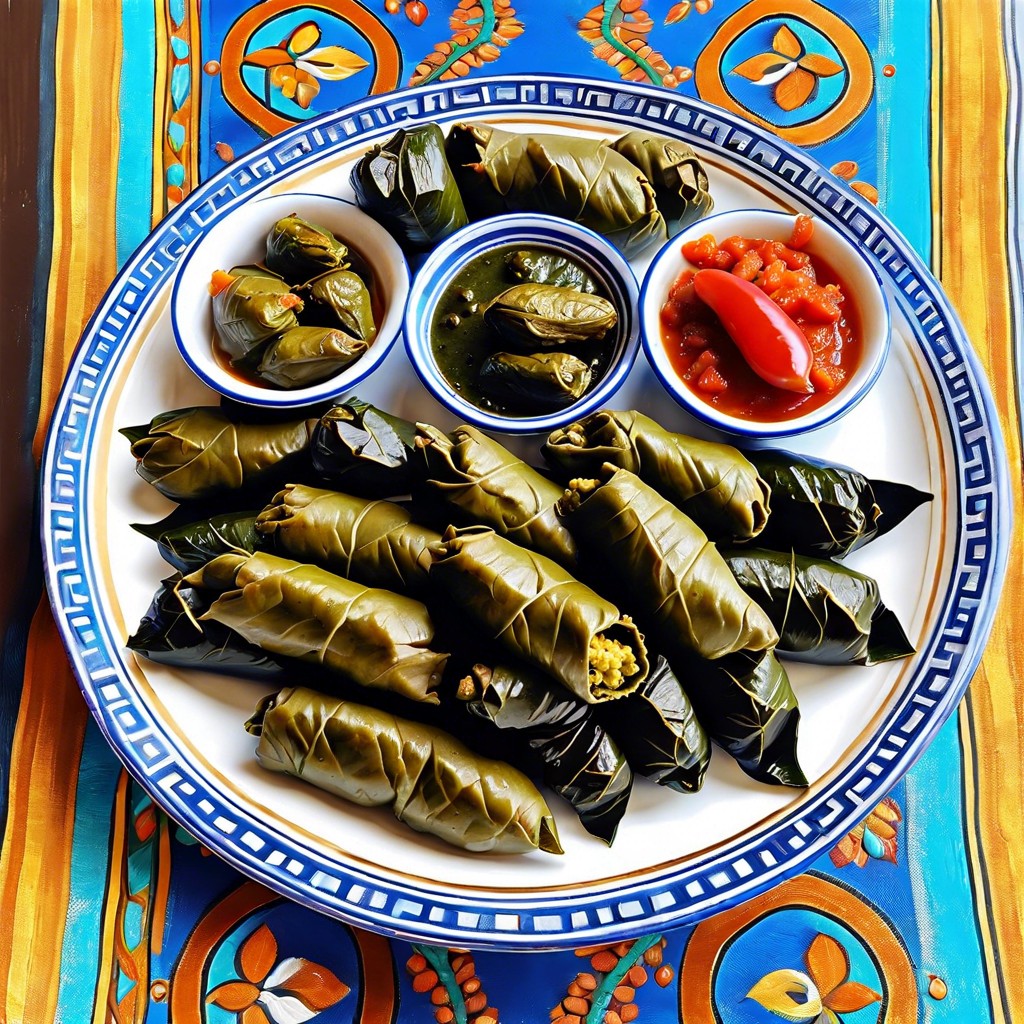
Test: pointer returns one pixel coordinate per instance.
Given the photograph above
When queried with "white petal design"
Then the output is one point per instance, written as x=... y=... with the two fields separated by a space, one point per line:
x=285 y=1009
x=777 y=76
x=282 y=972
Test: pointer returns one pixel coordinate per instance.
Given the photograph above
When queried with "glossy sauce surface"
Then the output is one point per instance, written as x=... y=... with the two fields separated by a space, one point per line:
x=461 y=340
x=805 y=286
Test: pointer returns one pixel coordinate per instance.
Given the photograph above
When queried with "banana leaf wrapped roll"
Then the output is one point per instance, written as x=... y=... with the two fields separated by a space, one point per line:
x=544 y=266
x=824 y=612
x=747 y=705
x=659 y=732
x=539 y=613
x=189 y=546
x=407 y=185
x=580 y=179
x=430 y=781
x=370 y=636
x=489 y=485
x=250 y=310
x=532 y=315
x=714 y=484
x=374 y=542
x=677 y=581
x=298 y=249
x=676 y=174
x=548 y=378
x=307 y=355
x=340 y=299
x=828 y=510
x=582 y=763
x=363 y=450
x=172 y=633
x=195 y=453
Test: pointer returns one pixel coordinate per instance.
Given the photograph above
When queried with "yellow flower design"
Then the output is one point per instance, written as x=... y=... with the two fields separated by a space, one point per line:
x=820 y=994
x=295 y=64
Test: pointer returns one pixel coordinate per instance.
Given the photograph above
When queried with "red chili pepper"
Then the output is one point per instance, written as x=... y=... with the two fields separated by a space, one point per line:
x=773 y=346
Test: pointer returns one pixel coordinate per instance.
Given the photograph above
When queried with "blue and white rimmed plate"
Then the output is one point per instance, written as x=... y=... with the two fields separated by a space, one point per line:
x=928 y=422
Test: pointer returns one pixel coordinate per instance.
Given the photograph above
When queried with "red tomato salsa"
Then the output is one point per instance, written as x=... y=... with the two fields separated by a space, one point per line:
x=777 y=379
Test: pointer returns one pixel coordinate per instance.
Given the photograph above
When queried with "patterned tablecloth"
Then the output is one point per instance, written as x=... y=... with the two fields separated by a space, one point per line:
x=109 y=911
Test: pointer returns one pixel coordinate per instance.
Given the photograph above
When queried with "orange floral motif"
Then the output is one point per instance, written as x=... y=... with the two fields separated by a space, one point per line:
x=296 y=64
x=820 y=995
x=618 y=29
x=481 y=29
x=847 y=170
x=790 y=68
x=874 y=838
x=289 y=992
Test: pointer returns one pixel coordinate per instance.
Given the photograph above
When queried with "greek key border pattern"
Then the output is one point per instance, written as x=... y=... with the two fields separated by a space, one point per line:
x=531 y=921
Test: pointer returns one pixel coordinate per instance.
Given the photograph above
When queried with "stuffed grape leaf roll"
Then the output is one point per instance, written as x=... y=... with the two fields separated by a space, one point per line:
x=189 y=546
x=714 y=484
x=203 y=451
x=297 y=249
x=574 y=177
x=407 y=185
x=363 y=450
x=825 y=612
x=307 y=355
x=372 y=541
x=828 y=510
x=659 y=732
x=675 y=577
x=539 y=613
x=747 y=705
x=489 y=485
x=430 y=781
x=676 y=174
x=370 y=636
x=582 y=763
x=171 y=633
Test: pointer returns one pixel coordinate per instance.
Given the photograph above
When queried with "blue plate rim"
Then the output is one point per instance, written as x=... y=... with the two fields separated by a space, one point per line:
x=532 y=921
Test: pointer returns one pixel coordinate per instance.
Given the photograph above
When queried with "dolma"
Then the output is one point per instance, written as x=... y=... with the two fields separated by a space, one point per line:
x=747 y=705
x=714 y=484
x=252 y=309
x=676 y=174
x=299 y=250
x=430 y=781
x=340 y=299
x=370 y=636
x=407 y=185
x=824 y=612
x=828 y=510
x=580 y=179
x=362 y=450
x=543 y=266
x=253 y=270
x=547 y=378
x=532 y=315
x=371 y=541
x=172 y=633
x=190 y=546
x=540 y=614
x=489 y=485
x=307 y=355
x=582 y=763
x=658 y=730
x=195 y=453
x=677 y=581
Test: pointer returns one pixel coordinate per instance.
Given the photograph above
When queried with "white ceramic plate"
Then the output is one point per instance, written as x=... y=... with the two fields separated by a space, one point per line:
x=928 y=423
